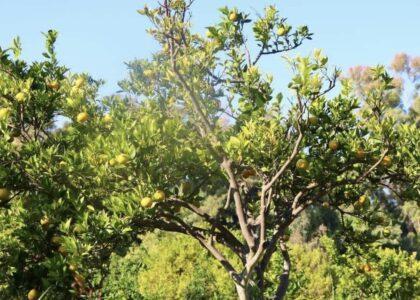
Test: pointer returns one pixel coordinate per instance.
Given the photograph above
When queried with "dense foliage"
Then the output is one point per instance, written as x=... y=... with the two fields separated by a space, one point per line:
x=174 y=265
x=201 y=146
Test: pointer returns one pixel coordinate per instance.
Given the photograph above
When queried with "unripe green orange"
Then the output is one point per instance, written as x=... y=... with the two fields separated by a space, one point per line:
x=159 y=195
x=302 y=164
x=82 y=117
x=4 y=194
x=33 y=294
x=121 y=159
x=146 y=202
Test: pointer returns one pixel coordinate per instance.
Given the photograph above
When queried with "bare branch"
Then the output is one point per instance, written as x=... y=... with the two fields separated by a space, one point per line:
x=284 y=277
x=212 y=249
x=287 y=162
x=226 y=235
x=372 y=168
x=240 y=212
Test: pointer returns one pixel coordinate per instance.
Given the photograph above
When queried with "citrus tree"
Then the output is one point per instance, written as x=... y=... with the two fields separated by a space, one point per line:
x=400 y=209
x=203 y=120
x=277 y=160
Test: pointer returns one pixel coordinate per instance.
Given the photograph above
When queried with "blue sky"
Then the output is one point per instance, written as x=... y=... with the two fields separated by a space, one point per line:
x=98 y=36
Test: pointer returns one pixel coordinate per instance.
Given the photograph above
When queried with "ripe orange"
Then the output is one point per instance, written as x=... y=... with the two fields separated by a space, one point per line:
x=159 y=195
x=33 y=294
x=333 y=145
x=82 y=117
x=386 y=161
x=4 y=194
x=233 y=17
x=302 y=164
x=360 y=153
x=146 y=202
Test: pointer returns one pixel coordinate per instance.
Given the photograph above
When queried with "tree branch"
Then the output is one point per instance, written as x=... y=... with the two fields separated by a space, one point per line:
x=289 y=159
x=284 y=277
x=231 y=241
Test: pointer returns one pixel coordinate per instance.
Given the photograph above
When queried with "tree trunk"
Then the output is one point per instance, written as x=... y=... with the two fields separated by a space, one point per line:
x=284 y=278
x=260 y=279
x=242 y=292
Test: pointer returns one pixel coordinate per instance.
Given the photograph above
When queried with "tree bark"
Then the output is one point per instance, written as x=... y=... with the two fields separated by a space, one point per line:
x=260 y=279
x=284 y=278
x=242 y=292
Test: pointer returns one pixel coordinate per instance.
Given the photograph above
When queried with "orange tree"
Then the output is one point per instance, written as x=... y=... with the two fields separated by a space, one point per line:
x=205 y=121
x=401 y=209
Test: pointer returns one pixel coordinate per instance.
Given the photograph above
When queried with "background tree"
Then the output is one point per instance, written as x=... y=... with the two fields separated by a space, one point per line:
x=125 y=166
x=401 y=209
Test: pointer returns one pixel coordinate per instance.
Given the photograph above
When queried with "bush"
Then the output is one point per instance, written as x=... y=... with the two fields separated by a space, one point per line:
x=167 y=266
x=176 y=267
x=374 y=274
x=121 y=283
x=324 y=273
x=310 y=276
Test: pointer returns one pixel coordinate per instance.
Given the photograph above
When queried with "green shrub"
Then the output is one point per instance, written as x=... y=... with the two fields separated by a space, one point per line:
x=373 y=274
x=173 y=266
x=121 y=283
x=310 y=276
x=324 y=273
x=167 y=266
x=176 y=267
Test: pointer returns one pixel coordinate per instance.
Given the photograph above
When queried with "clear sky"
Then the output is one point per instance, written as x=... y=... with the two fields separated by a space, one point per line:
x=98 y=36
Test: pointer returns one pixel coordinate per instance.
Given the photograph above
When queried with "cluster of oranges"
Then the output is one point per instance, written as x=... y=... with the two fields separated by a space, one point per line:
x=158 y=196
